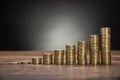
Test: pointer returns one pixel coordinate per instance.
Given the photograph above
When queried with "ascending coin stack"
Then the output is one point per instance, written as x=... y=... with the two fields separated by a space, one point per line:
x=47 y=58
x=81 y=53
x=94 y=49
x=105 y=45
x=70 y=54
x=58 y=57
x=70 y=58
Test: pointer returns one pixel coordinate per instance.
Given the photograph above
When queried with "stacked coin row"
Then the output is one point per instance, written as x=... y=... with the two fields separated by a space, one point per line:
x=70 y=54
x=81 y=53
x=94 y=49
x=69 y=58
x=105 y=34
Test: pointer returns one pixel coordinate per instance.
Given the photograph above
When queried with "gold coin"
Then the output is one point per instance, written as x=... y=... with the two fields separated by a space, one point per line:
x=105 y=36
x=81 y=43
x=47 y=58
x=94 y=60
x=82 y=61
x=105 y=30
x=94 y=39
x=106 y=60
x=36 y=60
x=70 y=62
x=72 y=47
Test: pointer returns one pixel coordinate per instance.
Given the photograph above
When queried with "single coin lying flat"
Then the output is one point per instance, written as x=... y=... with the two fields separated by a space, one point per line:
x=13 y=62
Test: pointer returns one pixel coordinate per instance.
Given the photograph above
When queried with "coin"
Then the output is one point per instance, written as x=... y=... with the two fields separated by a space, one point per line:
x=105 y=30
x=59 y=57
x=105 y=45
x=94 y=49
x=81 y=52
x=47 y=58
x=36 y=60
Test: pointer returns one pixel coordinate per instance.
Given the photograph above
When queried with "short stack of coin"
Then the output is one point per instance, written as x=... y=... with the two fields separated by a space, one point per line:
x=94 y=49
x=81 y=53
x=59 y=57
x=70 y=54
x=47 y=58
x=105 y=34
x=36 y=60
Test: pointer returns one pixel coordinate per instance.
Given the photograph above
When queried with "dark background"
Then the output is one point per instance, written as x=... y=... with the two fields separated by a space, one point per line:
x=51 y=24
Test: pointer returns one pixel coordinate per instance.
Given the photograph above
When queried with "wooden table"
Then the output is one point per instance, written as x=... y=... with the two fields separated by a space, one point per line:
x=55 y=72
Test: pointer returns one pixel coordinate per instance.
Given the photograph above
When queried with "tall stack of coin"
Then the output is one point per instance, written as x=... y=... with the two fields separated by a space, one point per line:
x=36 y=60
x=94 y=49
x=81 y=53
x=47 y=58
x=59 y=57
x=105 y=34
x=70 y=54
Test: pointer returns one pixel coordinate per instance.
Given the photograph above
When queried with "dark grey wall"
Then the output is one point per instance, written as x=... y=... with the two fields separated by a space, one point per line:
x=51 y=24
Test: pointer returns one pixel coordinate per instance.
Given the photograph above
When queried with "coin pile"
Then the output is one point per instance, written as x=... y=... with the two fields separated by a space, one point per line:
x=59 y=57
x=47 y=58
x=94 y=49
x=36 y=60
x=81 y=53
x=99 y=53
x=105 y=45
x=70 y=54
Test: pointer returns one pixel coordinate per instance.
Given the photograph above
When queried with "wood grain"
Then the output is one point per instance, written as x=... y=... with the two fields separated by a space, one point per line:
x=55 y=72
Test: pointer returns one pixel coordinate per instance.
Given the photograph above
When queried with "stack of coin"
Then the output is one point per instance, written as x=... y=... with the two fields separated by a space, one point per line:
x=36 y=60
x=105 y=34
x=94 y=49
x=59 y=57
x=47 y=58
x=70 y=54
x=81 y=53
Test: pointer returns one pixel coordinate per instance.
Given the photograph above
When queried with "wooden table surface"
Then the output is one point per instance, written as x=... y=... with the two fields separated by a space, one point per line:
x=55 y=72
